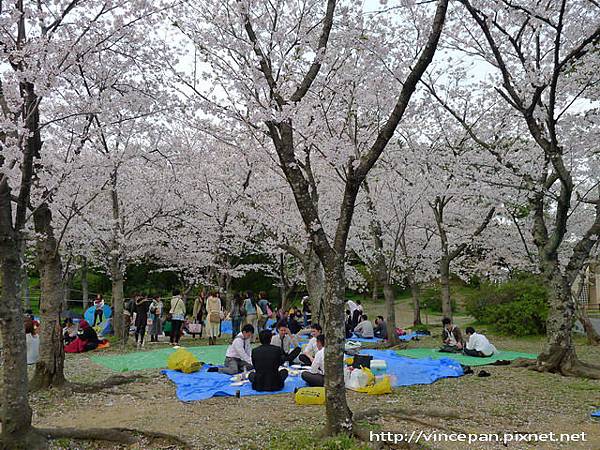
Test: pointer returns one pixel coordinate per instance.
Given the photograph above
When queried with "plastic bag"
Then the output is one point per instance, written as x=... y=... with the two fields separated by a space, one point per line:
x=380 y=388
x=310 y=396
x=357 y=379
x=183 y=361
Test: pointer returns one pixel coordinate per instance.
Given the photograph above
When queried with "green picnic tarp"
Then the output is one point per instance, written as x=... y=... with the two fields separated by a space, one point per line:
x=157 y=359
x=421 y=353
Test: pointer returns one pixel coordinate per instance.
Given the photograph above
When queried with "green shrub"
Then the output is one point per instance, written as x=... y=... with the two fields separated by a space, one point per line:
x=431 y=299
x=518 y=307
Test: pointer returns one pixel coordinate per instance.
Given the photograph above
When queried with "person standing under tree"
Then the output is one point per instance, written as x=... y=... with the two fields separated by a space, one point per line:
x=264 y=306
x=98 y=309
x=199 y=310
x=142 y=306
x=306 y=313
x=177 y=313
x=156 y=309
x=213 y=319
x=237 y=315
x=251 y=313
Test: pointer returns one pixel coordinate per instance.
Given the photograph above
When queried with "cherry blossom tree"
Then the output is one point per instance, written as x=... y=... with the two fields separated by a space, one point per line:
x=273 y=61
x=543 y=67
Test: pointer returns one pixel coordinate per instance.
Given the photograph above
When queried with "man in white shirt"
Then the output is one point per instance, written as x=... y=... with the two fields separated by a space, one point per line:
x=478 y=345
x=364 y=329
x=239 y=354
x=310 y=349
x=315 y=376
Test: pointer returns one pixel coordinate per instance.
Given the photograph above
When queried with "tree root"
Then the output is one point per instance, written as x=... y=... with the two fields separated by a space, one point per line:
x=563 y=362
x=120 y=435
x=115 y=380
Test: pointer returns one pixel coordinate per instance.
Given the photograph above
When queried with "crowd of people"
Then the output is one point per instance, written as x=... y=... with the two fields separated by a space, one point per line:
x=264 y=363
x=206 y=316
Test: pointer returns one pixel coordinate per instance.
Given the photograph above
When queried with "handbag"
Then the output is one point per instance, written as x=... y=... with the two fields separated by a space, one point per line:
x=214 y=316
x=195 y=328
x=259 y=313
x=269 y=312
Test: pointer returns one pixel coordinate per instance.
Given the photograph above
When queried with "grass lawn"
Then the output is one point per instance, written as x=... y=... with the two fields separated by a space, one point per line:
x=510 y=400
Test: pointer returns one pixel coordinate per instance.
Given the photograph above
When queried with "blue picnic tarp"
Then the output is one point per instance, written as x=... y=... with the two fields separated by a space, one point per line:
x=227 y=328
x=404 y=337
x=89 y=313
x=596 y=413
x=403 y=372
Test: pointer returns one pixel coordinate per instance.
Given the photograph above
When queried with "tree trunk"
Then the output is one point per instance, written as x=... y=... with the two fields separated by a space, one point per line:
x=49 y=370
x=559 y=355
x=26 y=292
x=445 y=287
x=338 y=415
x=118 y=318
x=17 y=432
x=374 y=294
x=315 y=285
x=283 y=298
x=228 y=293
x=68 y=284
x=85 y=295
x=415 y=293
x=283 y=286
x=119 y=324
x=390 y=309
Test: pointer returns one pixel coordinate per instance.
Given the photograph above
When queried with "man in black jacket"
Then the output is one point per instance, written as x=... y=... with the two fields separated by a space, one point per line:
x=266 y=360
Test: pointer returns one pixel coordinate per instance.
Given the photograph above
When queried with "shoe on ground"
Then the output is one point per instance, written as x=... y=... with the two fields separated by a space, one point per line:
x=501 y=362
x=176 y=346
x=484 y=373
x=212 y=369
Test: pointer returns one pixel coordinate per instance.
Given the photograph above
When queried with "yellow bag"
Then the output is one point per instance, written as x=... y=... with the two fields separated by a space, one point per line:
x=380 y=388
x=370 y=376
x=310 y=396
x=183 y=361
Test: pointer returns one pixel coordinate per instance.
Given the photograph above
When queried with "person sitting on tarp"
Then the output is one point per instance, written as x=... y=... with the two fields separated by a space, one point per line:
x=69 y=331
x=310 y=349
x=380 y=330
x=478 y=345
x=87 y=339
x=293 y=324
x=364 y=329
x=238 y=357
x=451 y=337
x=348 y=324
x=315 y=376
x=286 y=341
x=266 y=359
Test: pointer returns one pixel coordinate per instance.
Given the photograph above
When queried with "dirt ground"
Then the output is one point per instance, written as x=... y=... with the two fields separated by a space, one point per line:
x=511 y=400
